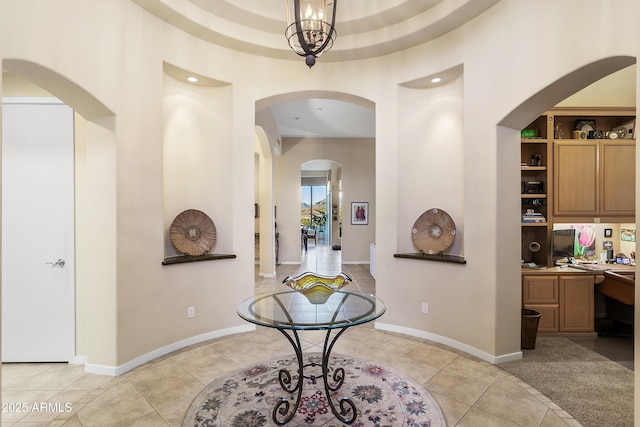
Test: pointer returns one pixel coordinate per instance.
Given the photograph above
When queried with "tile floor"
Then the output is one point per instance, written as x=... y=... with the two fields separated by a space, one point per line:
x=471 y=392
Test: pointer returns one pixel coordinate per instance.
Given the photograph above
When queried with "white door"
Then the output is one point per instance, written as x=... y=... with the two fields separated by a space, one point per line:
x=38 y=281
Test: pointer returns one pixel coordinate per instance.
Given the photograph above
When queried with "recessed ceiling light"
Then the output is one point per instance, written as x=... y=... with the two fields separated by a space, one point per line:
x=436 y=80
x=192 y=79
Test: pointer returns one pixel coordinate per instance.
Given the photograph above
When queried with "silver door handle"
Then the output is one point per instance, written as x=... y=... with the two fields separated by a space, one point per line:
x=59 y=263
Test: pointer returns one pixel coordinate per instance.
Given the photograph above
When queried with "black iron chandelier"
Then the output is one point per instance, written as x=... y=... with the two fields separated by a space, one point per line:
x=308 y=32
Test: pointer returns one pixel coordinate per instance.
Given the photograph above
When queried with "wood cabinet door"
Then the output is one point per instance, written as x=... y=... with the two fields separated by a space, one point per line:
x=539 y=289
x=576 y=303
x=617 y=177
x=548 y=317
x=575 y=178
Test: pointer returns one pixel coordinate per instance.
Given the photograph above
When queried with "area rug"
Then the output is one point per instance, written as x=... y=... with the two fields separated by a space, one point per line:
x=383 y=397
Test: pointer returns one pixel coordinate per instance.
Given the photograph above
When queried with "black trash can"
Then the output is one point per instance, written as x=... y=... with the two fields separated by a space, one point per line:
x=529 y=329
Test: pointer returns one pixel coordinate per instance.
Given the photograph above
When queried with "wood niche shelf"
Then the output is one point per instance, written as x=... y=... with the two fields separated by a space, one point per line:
x=437 y=257
x=181 y=259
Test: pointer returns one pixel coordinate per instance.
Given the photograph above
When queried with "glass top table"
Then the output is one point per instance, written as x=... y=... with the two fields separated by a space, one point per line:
x=290 y=312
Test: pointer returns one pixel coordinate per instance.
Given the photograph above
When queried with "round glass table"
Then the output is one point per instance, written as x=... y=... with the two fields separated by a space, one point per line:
x=290 y=312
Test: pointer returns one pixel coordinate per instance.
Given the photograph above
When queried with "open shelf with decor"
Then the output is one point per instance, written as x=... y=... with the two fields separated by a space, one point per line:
x=535 y=185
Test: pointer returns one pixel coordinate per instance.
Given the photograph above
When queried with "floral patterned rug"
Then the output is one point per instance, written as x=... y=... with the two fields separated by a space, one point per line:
x=382 y=396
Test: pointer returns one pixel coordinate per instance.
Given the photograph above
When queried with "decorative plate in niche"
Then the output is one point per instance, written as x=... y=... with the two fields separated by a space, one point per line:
x=193 y=233
x=433 y=231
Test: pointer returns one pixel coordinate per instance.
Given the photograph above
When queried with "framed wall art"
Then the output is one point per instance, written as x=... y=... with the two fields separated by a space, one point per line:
x=627 y=235
x=359 y=213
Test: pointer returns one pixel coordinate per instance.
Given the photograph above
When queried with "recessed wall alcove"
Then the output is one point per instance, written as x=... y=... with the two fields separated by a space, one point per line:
x=197 y=156
x=433 y=112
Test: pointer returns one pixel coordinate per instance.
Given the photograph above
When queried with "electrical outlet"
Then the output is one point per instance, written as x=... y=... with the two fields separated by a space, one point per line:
x=425 y=308
x=191 y=312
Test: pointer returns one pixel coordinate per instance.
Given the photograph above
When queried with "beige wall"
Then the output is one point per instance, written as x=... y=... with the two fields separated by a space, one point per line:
x=112 y=52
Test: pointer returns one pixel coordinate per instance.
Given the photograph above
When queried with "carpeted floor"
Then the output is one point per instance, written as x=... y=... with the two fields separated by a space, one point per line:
x=596 y=391
x=382 y=397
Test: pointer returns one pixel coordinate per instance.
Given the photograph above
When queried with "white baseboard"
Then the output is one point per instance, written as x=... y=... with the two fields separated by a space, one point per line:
x=79 y=360
x=451 y=343
x=267 y=275
x=114 y=371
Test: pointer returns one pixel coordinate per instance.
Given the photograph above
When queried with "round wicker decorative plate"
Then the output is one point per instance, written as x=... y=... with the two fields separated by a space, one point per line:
x=193 y=233
x=433 y=231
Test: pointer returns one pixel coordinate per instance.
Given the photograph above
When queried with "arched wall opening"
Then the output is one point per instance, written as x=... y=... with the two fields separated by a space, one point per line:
x=95 y=214
x=357 y=157
x=508 y=179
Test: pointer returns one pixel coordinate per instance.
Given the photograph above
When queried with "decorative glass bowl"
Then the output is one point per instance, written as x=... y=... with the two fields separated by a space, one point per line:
x=317 y=288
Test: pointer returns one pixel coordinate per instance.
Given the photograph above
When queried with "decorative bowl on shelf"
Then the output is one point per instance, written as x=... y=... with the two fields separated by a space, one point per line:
x=317 y=288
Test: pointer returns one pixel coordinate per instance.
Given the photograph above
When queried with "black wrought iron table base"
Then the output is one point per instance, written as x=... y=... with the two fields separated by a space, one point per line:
x=283 y=412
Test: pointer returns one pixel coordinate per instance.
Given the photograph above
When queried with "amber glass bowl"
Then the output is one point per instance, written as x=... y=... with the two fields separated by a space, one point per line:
x=317 y=288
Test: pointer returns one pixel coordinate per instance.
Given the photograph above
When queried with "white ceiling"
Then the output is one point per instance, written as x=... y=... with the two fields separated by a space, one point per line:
x=325 y=118
x=365 y=28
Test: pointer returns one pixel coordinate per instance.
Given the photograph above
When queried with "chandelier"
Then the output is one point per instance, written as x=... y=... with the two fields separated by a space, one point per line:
x=308 y=33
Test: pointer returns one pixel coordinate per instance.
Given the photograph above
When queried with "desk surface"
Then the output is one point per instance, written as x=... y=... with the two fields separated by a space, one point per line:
x=292 y=310
x=584 y=269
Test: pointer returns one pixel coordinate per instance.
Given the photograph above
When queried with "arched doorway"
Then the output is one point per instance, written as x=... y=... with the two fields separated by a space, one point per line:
x=94 y=157
x=508 y=136
x=354 y=153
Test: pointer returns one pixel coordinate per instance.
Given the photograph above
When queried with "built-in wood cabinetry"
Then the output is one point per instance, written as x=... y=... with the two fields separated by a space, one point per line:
x=576 y=303
x=540 y=293
x=594 y=178
x=575 y=177
x=565 y=302
x=617 y=178
x=575 y=180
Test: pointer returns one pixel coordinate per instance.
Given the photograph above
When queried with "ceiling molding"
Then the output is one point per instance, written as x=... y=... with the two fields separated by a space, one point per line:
x=365 y=28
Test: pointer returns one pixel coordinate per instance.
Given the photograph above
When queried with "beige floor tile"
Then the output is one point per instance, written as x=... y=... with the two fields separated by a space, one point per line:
x=551 y=419
x=419 y=372
x=198 y=357
x=207 y=373
x=16 y=374
x=19 y=403
x=506 y=399
x=452 y=409
x=174 y=414
x=478 y=418
x=60 y=405
x=465 y=389
x=58 y=377
x=165 y=383
x=433 y=356
x=472 y=368
x=150 y=420
x=119 y=405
